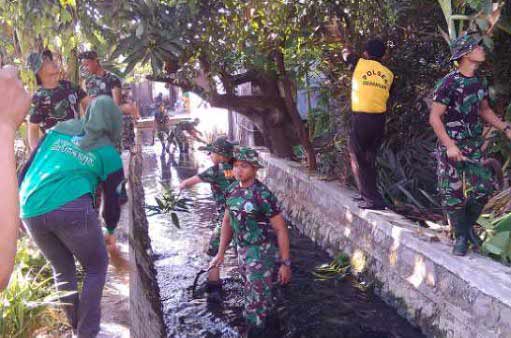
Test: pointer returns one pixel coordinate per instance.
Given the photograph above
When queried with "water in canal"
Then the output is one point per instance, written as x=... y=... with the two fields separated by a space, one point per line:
x=307 y=308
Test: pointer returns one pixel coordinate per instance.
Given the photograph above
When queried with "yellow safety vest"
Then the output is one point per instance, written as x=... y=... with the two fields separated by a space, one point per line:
x=370 y=87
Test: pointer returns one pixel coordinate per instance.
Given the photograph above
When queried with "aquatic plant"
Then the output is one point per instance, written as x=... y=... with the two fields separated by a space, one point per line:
x=169 y=203
x=337 y=269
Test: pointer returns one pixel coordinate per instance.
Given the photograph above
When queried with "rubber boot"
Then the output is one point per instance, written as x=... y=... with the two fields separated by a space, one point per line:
x=473 y=211
x=458 y=222
x=214 y=292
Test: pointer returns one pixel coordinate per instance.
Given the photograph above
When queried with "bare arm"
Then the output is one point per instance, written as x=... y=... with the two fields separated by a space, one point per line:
x=435 y=120
x=280 y=228
x=190 y=182
x=84 y=103
x=225 y=239
x=14 y=107
x=488 y=115
x=194 y=133
x=34 y=134
x=116 y=95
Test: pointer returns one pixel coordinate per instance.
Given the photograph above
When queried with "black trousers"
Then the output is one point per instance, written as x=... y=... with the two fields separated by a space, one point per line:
x=366 y=136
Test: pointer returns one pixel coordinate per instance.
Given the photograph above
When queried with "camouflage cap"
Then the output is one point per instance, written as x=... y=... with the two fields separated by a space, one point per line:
x=464 y=44
x=35 y=60
x=221 y=146
x=248 y=155
x=88 y=55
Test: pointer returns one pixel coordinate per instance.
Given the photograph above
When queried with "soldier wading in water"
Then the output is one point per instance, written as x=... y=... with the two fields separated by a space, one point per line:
x=220 y=177
x=459 y=108
x=254 y=220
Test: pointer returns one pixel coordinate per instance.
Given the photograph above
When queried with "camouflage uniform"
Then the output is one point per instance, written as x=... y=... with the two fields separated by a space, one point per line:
x=128 y=128
x=50 y=106
x=179 y=136
x=101 y=85
x=463 y=185
x=220 y=177
x=458 y=181
x=250 y=210
x=162 y=127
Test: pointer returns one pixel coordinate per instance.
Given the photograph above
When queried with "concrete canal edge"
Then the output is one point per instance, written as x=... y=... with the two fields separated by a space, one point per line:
x=444 y=295
x=145 y=306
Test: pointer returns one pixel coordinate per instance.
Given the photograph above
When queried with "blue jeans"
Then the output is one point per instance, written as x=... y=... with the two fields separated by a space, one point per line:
x=69 y=232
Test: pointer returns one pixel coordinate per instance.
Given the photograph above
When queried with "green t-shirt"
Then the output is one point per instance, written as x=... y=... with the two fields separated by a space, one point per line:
x=61 y=172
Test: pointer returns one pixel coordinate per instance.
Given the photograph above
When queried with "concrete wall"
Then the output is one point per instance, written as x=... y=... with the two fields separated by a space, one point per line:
x=446 y=296
x=145 y=307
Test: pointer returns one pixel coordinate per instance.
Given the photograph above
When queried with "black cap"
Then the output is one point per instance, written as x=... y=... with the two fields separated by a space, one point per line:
x=375 y=48
x=88 y=55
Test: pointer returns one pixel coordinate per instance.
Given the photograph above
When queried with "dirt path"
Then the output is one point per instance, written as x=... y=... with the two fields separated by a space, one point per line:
x=115 y=303
x=115 y=310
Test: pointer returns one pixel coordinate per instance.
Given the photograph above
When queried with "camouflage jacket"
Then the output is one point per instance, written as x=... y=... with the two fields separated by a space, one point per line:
x=102 y=85
x=250 y=211
x=50 y=106
x=220 y=178
x=184 y=126
x=462 y=96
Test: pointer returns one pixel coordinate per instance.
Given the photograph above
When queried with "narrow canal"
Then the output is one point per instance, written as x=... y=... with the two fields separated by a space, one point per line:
x=308 y=308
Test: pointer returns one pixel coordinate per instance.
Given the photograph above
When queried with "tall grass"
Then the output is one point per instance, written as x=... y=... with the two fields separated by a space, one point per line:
x=29 y=304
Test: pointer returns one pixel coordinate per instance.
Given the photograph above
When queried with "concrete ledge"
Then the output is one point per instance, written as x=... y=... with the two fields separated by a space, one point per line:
x=446 y=296
x=146 y=311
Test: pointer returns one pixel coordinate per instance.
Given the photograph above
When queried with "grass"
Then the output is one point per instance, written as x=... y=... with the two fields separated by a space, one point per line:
x=29 y=305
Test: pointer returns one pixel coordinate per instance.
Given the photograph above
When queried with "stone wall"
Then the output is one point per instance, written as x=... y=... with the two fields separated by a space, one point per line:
x=446 y=296
x=145 y=307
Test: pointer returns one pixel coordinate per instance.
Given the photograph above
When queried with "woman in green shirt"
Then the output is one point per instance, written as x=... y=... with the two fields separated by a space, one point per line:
x=56 y=202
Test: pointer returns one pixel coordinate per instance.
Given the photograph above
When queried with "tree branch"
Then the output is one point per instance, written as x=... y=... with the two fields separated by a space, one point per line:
x=246 y=102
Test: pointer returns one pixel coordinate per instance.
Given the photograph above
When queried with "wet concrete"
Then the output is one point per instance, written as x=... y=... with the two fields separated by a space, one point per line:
x=306 y=308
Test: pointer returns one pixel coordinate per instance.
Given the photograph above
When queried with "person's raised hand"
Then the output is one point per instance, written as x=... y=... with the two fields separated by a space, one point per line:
x=16 y=100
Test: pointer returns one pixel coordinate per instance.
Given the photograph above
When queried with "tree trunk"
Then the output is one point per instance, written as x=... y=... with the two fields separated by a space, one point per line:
x=293 y=113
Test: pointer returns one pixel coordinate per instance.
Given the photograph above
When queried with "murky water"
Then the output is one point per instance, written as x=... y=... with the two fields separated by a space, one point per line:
x=307 y=307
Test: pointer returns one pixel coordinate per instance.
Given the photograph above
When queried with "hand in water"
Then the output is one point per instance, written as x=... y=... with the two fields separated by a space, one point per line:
x=116 y=257
x=217 y=261
x=284 y=274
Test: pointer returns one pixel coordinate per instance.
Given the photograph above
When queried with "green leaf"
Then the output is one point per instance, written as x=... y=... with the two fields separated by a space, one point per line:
x=175 y=220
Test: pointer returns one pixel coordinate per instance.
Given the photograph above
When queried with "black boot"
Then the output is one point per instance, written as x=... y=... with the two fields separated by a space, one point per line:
x=473 y=211
x=214 y=292
x=459 y=224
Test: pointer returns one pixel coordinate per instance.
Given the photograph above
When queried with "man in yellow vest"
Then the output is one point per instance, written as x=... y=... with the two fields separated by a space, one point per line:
x=370 y=90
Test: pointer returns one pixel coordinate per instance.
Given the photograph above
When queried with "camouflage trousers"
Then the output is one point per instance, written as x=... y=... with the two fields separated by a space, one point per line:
x=182 y=141
x=214 y=241
x=128 y=132
x=258 y=268
x=459 y=181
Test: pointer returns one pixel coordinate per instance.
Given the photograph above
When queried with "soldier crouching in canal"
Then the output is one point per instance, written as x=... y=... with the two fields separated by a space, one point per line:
x=254 y=220
x=220 y=177
x=459 y=108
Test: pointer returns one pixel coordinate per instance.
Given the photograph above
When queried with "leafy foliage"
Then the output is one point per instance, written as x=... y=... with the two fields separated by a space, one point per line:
x=169 y=203
x=27 y=304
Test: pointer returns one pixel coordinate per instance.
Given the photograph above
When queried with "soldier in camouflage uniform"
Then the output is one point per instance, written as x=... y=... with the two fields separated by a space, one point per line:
x=130 y=114
x=54 y=101
x=220 y=177
x=459 y=108
x=178 y=134
x=161 y=120
x=97 y=80
x=253 y=219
